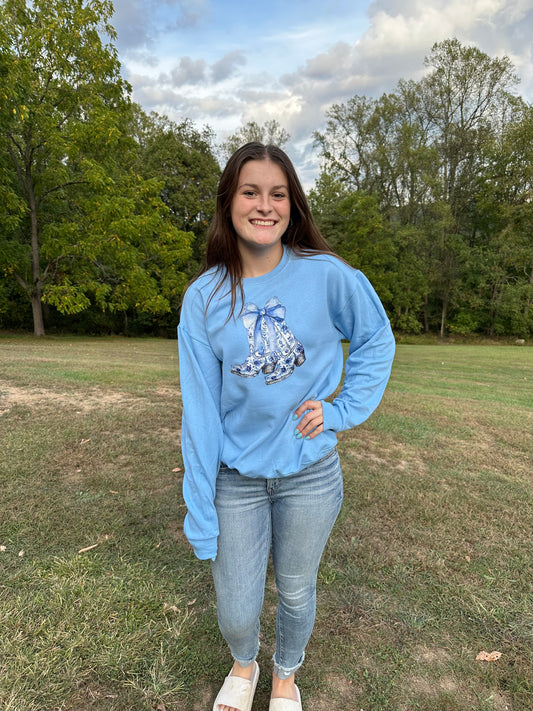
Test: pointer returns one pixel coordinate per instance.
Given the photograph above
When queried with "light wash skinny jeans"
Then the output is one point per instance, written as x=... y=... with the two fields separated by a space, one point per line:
x=294 y=515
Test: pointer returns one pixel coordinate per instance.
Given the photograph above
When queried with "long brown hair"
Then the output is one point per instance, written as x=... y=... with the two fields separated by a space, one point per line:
x=302 y=235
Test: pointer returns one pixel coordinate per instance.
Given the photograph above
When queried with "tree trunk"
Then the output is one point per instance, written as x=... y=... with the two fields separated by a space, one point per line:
x=36 y=292
x=528 y=303
x=37 y=309
x=443 y=316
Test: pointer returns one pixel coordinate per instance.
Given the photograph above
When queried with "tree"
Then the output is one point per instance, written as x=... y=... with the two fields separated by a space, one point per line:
x=503 y=221
x=345 y=146
x=71 y=196
x=466 y=97
x=354 y=228
x=424 y=152
x=269 y=132
x=114 y=247
x=388 y=253
x=183 y=158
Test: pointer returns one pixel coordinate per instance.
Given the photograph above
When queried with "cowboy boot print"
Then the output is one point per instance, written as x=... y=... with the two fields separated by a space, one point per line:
x=274 y=350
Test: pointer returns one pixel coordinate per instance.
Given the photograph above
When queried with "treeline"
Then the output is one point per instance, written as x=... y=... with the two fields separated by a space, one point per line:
x=429 y=189
x=104 y=209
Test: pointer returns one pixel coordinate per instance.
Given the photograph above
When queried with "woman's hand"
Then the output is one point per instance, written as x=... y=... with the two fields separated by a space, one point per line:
x=312 y=423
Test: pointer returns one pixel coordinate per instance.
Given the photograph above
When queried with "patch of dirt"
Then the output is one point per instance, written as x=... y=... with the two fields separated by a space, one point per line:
x=428 y=687
x=434 y=656
x=500 y=702
x=205 y=701
x=89 y=697
x=172 y=433
x=434 y=687
x=176 y=532
x=171 y=393
x=340 y=694
x=94 y=399
x=392 y=455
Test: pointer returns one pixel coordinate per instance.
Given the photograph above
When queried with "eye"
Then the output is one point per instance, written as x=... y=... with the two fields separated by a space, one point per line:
x=280 y=196
x=249 y=193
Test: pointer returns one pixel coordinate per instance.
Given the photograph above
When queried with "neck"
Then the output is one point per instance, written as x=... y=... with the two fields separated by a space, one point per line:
x=255 y=264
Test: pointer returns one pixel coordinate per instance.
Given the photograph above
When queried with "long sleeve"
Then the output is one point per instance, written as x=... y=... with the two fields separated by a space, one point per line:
x=238 y=409
x=200 y=378
x=361 y=320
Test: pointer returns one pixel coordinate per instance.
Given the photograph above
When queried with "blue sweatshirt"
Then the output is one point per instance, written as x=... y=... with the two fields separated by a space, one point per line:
x=243 y=379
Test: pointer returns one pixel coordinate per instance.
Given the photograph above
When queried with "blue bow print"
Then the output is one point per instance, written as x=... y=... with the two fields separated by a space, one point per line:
x=261 y=323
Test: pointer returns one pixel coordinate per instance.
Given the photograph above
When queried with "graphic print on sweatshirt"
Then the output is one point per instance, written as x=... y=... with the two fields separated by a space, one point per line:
x=274 y=350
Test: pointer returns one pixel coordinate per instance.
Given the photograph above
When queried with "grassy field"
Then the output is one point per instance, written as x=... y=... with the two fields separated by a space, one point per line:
x=103 y=605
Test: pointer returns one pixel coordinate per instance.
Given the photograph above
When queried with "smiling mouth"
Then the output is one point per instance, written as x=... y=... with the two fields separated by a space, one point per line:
x=263 y=223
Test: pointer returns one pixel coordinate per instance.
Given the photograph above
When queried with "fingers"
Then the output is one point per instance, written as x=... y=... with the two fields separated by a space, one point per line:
x=312 y=422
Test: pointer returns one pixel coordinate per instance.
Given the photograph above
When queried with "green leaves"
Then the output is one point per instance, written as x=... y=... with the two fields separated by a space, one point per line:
x=121 y=249
x=81 y=226
x=448 y=161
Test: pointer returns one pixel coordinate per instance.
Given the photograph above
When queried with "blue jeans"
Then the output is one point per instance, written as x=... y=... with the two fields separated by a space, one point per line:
x=294 y=515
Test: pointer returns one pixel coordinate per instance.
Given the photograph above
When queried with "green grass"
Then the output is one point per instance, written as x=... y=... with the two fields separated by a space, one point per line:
x=429 y=562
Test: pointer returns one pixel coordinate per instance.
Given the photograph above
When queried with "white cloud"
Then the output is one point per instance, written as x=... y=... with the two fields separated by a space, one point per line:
x=192 y=11
x=327 y=64
x=400 y=35
x=226 y=66
x=139 y=23
x=188 y=71
x=294 y=75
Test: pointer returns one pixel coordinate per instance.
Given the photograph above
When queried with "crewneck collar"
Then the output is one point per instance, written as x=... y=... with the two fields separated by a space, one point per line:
x=273 y=273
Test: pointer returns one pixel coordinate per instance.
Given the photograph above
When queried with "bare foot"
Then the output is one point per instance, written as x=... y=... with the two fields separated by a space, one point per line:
x=242 y=673
x=284 y=688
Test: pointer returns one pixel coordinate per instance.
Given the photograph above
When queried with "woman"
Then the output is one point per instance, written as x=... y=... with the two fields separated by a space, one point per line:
x=260 y=351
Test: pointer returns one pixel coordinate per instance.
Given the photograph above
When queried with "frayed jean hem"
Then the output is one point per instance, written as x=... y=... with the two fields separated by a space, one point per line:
x=245 y=663
x=283 y=673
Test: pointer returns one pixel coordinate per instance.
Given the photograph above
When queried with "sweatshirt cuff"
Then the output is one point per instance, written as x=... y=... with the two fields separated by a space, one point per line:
x=206 y=549
x=332 y=417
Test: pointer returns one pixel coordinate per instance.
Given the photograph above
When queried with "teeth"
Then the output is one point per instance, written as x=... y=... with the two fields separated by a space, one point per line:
x=263 y=222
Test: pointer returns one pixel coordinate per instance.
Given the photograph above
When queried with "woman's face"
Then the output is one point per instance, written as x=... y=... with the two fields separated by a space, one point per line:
x=261 y=207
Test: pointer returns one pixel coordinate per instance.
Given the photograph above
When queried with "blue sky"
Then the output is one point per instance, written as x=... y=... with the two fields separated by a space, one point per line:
x=222 y=63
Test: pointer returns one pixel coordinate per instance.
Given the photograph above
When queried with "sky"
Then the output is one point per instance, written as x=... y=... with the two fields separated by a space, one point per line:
x=221 y=63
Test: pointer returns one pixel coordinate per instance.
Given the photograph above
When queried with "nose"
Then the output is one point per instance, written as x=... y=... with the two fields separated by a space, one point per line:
x=264 y=205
